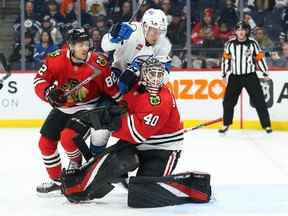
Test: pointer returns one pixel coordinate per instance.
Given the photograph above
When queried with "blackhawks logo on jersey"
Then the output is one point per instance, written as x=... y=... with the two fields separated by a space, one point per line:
x=78 y=96
x=102 y=60
x=155 y=100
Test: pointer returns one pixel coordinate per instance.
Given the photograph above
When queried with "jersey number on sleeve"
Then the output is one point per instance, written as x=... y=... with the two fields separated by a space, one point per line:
x=151 y=119
x=110 y=80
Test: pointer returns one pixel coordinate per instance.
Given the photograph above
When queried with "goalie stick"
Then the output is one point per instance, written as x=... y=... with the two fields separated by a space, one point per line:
x=204 y=124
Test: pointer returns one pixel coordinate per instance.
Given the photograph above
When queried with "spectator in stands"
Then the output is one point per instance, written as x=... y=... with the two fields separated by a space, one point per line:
x=283 y=60
x=225 y=33
x=31 y=22
x=95 y=9
x=96 y=37
x=205 y=29
x=267 y=16
x=124 y=14
x=166 y=7
x=15 y=57
x=43 y=48
x=154 y=4
x=263 y=39
x=101 y=23
x=228 y=14
x=176 y=31
x=197 y=6
x=48 y=26
x=67 y=11
x=53 y=12
x=29 y=12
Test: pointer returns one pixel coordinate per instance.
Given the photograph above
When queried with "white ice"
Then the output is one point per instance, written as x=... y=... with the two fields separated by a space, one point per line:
x=249 y=172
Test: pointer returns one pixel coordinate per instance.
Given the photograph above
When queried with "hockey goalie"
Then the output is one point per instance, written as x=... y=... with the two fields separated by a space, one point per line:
x=150 y=139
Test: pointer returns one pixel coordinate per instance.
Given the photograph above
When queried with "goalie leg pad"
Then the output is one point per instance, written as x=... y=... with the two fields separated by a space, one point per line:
x=150 y=192
x=93 y=180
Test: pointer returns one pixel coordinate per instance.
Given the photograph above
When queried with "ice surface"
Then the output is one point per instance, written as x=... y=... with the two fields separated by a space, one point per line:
x=249 y=172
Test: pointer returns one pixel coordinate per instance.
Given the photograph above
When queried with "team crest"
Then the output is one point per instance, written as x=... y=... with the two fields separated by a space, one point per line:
x=102 y=60
x=155 y=100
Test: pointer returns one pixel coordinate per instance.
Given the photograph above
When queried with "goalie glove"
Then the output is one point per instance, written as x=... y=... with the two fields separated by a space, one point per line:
x=55 y=96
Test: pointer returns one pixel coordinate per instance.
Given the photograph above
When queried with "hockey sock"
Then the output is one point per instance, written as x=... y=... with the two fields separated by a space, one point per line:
x=51 y=157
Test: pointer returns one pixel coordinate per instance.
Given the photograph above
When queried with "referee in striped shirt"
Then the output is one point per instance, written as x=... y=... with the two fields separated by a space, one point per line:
x=240 y=58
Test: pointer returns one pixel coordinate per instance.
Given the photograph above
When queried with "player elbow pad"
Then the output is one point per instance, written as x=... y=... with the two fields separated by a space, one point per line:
x=150 y=192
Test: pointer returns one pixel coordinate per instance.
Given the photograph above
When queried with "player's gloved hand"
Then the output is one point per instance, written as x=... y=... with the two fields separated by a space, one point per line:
x=121 y=31
x=126 y=80
x=136 y=65
x=55 y=96
x=106 y=118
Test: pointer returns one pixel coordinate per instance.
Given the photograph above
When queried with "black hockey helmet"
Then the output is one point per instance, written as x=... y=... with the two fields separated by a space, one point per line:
x=245 y=26
x=78 y=35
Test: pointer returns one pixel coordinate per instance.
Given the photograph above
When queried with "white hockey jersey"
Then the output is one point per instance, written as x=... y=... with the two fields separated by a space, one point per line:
x=128 y=50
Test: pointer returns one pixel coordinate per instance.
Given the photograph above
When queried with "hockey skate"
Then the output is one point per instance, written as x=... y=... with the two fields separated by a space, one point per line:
x=47 y=187
x=224 y=129
x=268 y=130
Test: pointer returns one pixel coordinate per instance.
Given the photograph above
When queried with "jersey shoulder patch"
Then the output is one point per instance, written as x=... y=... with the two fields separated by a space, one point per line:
x=55 y=53
x=102 y=60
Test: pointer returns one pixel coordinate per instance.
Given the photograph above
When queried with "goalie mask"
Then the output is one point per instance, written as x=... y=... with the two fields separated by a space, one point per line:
x=152 y=75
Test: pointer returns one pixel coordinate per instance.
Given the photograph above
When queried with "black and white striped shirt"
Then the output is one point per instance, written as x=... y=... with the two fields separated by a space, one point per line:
x=241 y=58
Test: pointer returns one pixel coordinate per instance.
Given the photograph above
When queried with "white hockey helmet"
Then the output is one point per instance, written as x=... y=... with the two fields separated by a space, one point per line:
x=155 y=18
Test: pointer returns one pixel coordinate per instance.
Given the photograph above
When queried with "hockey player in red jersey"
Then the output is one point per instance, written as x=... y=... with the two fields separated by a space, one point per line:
x=62 y=71
x=150 y=138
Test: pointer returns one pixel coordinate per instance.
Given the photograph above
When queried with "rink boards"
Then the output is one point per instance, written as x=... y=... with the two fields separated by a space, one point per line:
x=198 y=93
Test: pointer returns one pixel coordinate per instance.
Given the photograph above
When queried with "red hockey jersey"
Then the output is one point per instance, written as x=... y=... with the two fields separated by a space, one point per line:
x=153 y=121
x=60 y=71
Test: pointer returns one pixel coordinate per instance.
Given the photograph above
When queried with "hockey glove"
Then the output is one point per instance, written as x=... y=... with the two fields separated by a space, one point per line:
x=126 y=80
x=55 y=96
x=106 y=118
x=121 y=31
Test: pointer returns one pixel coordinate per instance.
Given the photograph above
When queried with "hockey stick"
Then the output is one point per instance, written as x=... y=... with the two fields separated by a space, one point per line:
x=204 y=124
x=94 y=74
x=136 y=11
x=6 y=76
